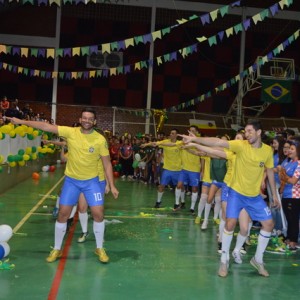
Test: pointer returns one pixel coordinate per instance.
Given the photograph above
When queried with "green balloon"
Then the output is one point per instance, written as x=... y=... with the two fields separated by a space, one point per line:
x=18 y=157
x=10 y=158
x=33 y=149
x=30 y=136
x=21 y=152
x=135 y=164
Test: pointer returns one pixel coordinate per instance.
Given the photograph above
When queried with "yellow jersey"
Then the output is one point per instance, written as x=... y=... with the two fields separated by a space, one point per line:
x=190 y=162
x=84 y=151
x=206 y=171
x=172 y=155
x=230 y=156
x=249 y=167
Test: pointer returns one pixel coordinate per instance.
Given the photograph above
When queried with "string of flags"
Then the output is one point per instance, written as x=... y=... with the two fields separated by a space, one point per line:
x=206 y=18
x=168 y=57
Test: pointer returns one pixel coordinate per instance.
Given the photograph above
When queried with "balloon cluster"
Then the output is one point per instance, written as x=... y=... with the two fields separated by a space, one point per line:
x=22 y=130
x=23 y=155
x=6 y=233
x=162 y=117
x=117 y=167
x=48 y=168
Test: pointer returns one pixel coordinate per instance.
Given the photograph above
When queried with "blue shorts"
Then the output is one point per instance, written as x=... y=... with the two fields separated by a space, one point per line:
x=218 y=184
x=189 y=178
x=169 y=177
x=224 y=194
x=204 y=183
x=92 y=189
x=255 y=206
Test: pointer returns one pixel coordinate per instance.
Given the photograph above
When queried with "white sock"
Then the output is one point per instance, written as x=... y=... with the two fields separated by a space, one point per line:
x=74 y=209
x=83 y=218
x=57 y=202
x=240 y=240
x=159 y=196
x=226 y=242
x=221 y=229
x=59 y=233
x=249 y=227
x=99 y=233
x=207 y=211
x=217 y=207
x=182 y=196
x=177 y=195
x=262 y=243
x=194 y=200
x=201 y=205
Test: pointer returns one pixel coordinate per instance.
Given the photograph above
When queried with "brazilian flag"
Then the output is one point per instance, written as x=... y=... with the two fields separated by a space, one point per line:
x=276 y=91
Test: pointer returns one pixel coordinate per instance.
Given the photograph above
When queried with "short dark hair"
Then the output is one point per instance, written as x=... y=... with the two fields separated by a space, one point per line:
x=90 y=110
x=255 y=123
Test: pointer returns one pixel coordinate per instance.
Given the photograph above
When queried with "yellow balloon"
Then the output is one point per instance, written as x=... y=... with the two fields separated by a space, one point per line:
x=12 y=164
x=22 y=133
x=45 y=136
x=21 y=163
x=26 y=157
x=39 y=149
x=28 y=150
x=29 y=130
x=34 y=156
x=35 y=133
x=5 y=129
x=1 y=159
x=12 y=133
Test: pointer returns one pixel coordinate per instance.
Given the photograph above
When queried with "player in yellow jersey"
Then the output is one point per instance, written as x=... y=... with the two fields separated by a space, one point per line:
x=85 y=148
x=252 y=158
x=172 y=163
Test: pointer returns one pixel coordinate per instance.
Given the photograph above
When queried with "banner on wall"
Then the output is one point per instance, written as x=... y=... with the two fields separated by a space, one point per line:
x=205 y=126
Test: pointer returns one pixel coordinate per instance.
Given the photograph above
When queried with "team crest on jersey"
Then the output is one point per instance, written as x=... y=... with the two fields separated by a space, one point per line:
x=91 y=149
x=261 y=164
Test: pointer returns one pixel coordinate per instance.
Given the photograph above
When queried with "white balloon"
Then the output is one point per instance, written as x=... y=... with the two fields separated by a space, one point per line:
x=6 y=233
x=137 y=157
x=44 y=169
x=58 y=161
x=6 y=248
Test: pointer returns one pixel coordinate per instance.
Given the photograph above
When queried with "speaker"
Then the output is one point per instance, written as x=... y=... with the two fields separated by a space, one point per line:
x=104 y=60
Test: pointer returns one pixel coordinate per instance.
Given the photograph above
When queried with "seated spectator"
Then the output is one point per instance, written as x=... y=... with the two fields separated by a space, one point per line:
x=4 y=104
x=12 y=111
x=27 y=111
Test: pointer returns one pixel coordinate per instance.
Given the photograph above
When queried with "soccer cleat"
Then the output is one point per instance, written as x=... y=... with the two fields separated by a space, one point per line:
x=176 y=207
x=237 y=257
x=83 y=237
x=197 y=220
x=102 y=255
x=204 y=224
x=259 y=267
x=55 y=212
x=157 y=205
x=223 y=269
x=192 y=211
x=220 y=248
x=182 y=205
x=217 y=221
x=54 y=255
x=243 y=249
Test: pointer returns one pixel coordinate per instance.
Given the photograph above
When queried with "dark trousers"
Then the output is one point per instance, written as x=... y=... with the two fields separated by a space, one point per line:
x=291 y=208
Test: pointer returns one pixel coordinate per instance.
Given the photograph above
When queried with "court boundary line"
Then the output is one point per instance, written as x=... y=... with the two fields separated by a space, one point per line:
x=30 y=213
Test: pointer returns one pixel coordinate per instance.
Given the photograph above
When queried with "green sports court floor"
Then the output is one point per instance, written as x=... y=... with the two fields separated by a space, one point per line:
x=154 y=254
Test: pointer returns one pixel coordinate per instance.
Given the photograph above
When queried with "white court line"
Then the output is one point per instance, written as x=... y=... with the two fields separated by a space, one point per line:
x=28 y=215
